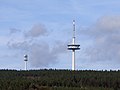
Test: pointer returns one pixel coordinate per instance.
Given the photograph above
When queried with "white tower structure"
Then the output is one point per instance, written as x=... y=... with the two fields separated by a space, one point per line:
x=25 y=59
x=73 y=47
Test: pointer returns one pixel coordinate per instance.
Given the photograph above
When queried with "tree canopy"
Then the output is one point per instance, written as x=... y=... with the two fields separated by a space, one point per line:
x=44 y=78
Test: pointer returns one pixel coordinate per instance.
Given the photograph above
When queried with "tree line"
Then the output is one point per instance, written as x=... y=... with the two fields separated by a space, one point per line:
x=36 y=79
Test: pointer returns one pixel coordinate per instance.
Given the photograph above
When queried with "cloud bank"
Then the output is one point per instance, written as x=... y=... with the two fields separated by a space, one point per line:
x=36 y=31
x=14 y=30
x=106 y=39
x=40 y=53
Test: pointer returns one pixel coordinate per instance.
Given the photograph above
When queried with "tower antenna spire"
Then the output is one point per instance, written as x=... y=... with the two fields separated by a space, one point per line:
x=73 y=28
x=73 y=47
x=73 y=31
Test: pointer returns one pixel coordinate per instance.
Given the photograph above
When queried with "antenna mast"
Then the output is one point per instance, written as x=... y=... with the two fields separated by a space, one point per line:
x=73 y=47
x=25 y=59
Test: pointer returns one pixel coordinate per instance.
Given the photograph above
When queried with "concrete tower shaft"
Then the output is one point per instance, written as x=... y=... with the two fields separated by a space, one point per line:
x=73 y=47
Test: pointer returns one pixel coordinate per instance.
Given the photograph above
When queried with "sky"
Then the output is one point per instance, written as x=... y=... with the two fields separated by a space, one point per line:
x=42 y=29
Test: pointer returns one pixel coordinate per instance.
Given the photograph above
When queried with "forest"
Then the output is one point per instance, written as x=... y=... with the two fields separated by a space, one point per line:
x=45 y=79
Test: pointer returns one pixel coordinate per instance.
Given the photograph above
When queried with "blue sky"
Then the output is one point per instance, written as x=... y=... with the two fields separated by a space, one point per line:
x=43 y=28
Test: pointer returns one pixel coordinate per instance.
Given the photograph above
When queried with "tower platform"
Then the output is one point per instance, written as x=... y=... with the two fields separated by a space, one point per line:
x=74 y=47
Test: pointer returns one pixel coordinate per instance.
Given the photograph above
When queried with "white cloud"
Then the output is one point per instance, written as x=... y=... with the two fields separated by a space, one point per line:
x=36 y=31
x=40 y=53
x=14 y=30
x=106 y=35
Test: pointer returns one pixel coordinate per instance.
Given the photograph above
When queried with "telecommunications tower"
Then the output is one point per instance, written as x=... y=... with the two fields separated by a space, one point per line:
x=25 y=59
x=73 y=47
